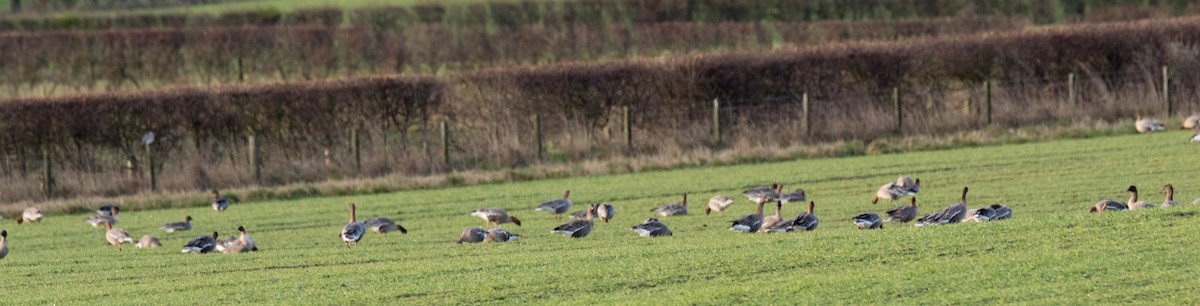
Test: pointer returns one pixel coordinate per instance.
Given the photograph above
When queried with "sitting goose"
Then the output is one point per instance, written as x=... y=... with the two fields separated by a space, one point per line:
x=979 y=215
x=1148 y=125
x=501 y=235
x=1133 y=200
x=806 y=221
x=673 y=209
x=904 y=213
x=116 y=236
x=578 y=228
x=770 y=222
x=557 y=206
x=240 y=244
x=148 y=242
x=99 y=219
x=31 y=214
x=952 y=214
x=794 y=196
x=763 y=193
x=652 y=228
x=1191 y=122
x=201 y=244
x=172 y=227
x=752 y=222
x=382 y=225
x=868 y=220
x=1106 y=205
x=495 y=215
x=472 y=235
x=219 y=202
x=3 y=244
x=718 y=203
x=1000 y=212
x=1170 y=201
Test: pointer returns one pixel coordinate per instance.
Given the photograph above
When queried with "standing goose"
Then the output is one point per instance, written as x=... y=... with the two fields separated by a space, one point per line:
x=652 y=228
x=1000 y=212
x=3 y=244
x=557 y=206
x=219 y=202
x=1133 y=200
x=472 y=235
x=353 y=231
x=186 y=225
x=718 y=203
x=904 y=213
x=770 y=222
x=577 y=228
x=752 y=222
x=952 y=214
x=201 y=244
x=806 y=221
x=495 y=215
x=382 y=225
x=868 y=220
x=99 y=219
x=673 y=209
x=116 y=236
x=1170 y=201
x=979 y=215
x=148 y=242
x=1148 y=125
x=31 y=214
x=1106 y=205
x=763 y=193
x=606 y=211
x=794 y=196
x=1191 y=122
x=501 y=235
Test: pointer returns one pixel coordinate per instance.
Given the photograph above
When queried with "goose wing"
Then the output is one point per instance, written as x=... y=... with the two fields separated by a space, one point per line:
x=805 y=222
x=748 y=223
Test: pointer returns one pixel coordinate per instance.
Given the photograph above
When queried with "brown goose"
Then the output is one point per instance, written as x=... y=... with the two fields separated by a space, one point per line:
x=752 y=222
x=673 y=209
x=472 y=235
x=353 y=231
x=904 y=213
x=219 y=202
x=148 y=242
x=763 y=193
x=31 y=214
x=557 y=206
x=1148 y=125
x=1170 y=201
x=718 y=203
x=116 y=236
x=242 y=243
x=1133 y=200
x=577 y=228
x=952 y=214
x=501 y=235
x=902 y=187
x=769 y=222
x=1191 y=122
x=494 y=215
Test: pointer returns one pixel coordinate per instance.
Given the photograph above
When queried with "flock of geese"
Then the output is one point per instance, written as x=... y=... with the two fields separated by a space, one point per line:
x=1150 y=125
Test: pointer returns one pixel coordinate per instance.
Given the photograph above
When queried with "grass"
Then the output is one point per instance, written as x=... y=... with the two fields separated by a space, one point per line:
x=1052 y=251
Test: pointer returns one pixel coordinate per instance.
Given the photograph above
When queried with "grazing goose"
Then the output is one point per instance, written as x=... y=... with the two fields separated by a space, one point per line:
x=3 y=244
x=494 y=215
x=752 y=222
x=501 y=235
x=105 y=210
x=577 y=228
x=472 y=235
x=1133 y=200
x=979 y=215
x=242 y=243
x=806 y=221
x=902 y=187
x=1148 y=125
x=718 y=203
x=952 y=214
x=99 y=219
x=904 y=213
x=795 y=196
x=148 y=242
x=116 y=236
x=1106 y=205
x=172 y=227
x=31 y=214
x=353 y=231
x=1000 y=212
x=219 y=202
x=201 y=244
x=605 y=212
x=763 y=193
x=771 y=221
x=868 y=220
x=673 y=209
x=652 y=228
x=1191 y=122
x=557 y=206
x=382 y=225
x=1170 y=201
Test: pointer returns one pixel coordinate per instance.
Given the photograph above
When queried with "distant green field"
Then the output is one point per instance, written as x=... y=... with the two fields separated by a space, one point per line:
x=1052 y=251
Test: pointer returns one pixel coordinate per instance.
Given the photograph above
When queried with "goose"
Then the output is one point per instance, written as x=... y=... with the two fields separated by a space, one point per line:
x=472 y=235
x=952 y=214
x=1001 y=212
x=219 y=202
x=99 y=219
x=241 y=244
x=31 y=214
x=495 y=215
x=605 y=211
x=902 y=187
x=1191 y=122
x=557 y=206
x=1196 y=136
x=148 y=242
x=201 y=244
x=868 y=220
x=795 y=196
x=353 y=231
x=1170 y=201
x=752 y=222
x=718 y=203
x=1106 y=204
x=652 y=228
x=904 y=213
x=501 y=235
x=3 y=244
x=763 y=193
x=1133 y=200
x=673 y=209
x=172 y=227
x=116 y=236
x=1196 y=202
x=382 y=225
x=908 y=183
x=577 y=228
x=979 y=215
x=1148 y=125
x=105 y=210
x=806 y=221
x=770 y=222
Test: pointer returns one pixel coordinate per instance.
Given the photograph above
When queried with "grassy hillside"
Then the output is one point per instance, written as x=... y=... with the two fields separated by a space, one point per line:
x=1052 y=251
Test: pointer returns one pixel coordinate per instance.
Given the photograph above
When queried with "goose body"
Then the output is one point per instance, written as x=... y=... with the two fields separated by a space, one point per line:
x=3 y=244
x=495 y=215
x=1191 y=122
x=979 y=214
x=752 y=222
x=605 y=212
x=1196 y=136
x=904 y=213
x=794 y=196
x=806 y=221
x=172 y=227
x=868 y=220
x=105 y=210
x=353 y=231
x=100 y=218
x=384 y=225
x=148 y=242
x=201 y=244
x=501 y=235
x=116 y=236
x=240 y=244
x=762 y=193
x=577 y=228
x=673 y=209
x=219 y=202
x=1170 y=200
x=718 y=203
x=769 y=222
x=1134 y=203
x=31 y=214
x=652 y=228
x=952 y=214
x=1148 y=125
x=472 y=235
x=557 y=206
x=1000 y=212
x=1108 y=205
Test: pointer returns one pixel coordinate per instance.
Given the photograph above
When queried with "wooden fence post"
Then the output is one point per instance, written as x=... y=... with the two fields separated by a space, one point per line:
x=255 y=162
x=537 y=135
x=48 y=178
x=716 y=119
x=987 y=101
x=899 y=113
x=241 y=73
x=445 y=143
x=150 y=167
x=628 y=128
x=1166 y=90
x=807 y=120
x=1071 y=88
x=355 y=145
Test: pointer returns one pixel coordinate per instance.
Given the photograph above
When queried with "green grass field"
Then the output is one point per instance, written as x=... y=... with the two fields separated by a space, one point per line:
x=1052 y=251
